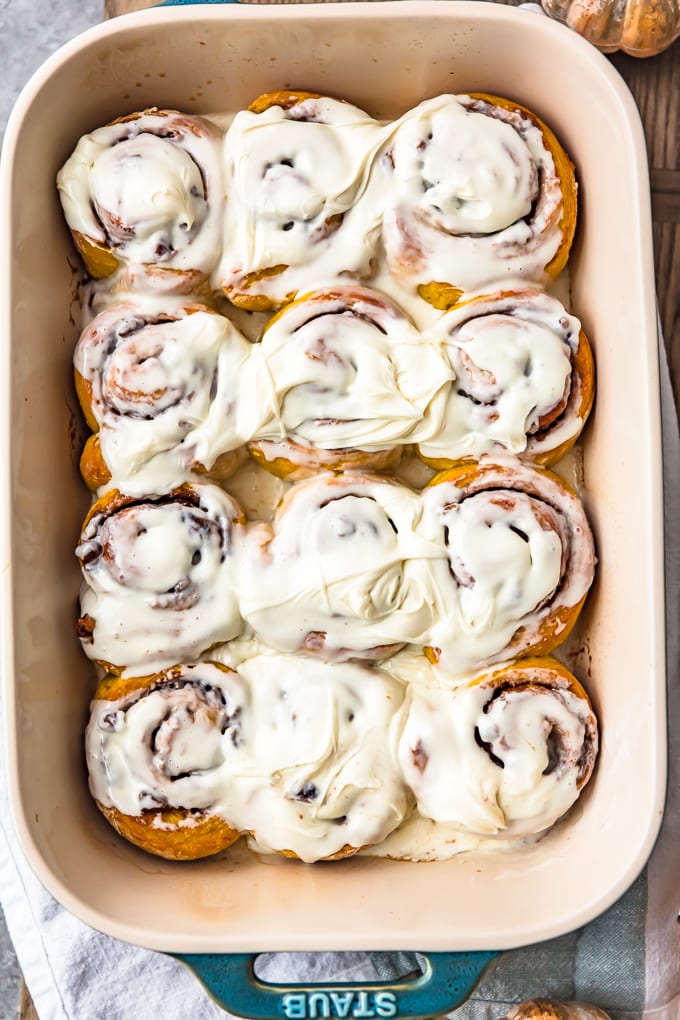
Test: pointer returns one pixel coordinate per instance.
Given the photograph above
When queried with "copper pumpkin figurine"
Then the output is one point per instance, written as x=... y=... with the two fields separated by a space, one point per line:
x=639 y=27
x=550 y=1009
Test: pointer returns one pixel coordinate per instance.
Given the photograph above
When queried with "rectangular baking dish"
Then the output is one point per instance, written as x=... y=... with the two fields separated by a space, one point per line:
x=385 y=58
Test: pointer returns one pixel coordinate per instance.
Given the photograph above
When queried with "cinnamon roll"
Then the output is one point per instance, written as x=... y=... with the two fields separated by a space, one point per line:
x=155 y=755
x=477 y=189
x=159 y=576
x=517 y=562
x=342 y=572
x=160 y=379
x=290 y=750
x=312 y=776
x=147 y=190
x=506 y=754
x=524 y=379
x=300 y=207
x=344 y=380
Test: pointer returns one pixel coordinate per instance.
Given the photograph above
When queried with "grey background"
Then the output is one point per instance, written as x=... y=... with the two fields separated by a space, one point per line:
x=30 y=30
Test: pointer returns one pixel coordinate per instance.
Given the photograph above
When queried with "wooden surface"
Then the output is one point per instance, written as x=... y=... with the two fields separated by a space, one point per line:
x=655 y=84
x=26 y=1007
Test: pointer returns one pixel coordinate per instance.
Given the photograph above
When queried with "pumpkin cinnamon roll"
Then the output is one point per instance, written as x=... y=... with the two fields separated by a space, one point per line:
x=155 y=749
x=506 y=754
x=344 y=380
x=160 y=381
x=159 y=576
x=146 y=190
x=342 y=571
x=524 y=379
x=300 y=206
x=311 y=774
x=478 y=189
x=517 y=562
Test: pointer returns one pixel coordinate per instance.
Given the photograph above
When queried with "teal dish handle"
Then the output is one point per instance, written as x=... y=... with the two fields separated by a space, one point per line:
x=447 y=980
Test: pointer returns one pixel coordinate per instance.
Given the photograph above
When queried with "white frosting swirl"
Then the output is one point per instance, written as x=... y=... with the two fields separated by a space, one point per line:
x=471 y=194
x=343 y=570
x=344 y=368
x=163 y=745
x=314 y=770
x=470 y=175
x=514 y=389
x=518 y=554
x=299 y=196
x=159 y=577
x=497 y=759
x=164 y=376
x=149 y=188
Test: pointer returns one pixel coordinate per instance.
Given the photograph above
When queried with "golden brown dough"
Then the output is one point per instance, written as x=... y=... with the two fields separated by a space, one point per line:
x=173 y=832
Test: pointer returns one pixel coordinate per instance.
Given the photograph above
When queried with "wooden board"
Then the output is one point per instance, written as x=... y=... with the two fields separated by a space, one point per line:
x=655 y=84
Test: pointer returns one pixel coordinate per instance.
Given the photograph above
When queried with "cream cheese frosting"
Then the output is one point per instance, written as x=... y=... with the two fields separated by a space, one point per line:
x=514 y=388
x=346 y=368
x=163 y=745
x=518 y=555
x=504 y=755
x=159 y=577
x=165 y=378
x=343 y=570
x=472 y=194
x=505 y=764
x=290 y=749
x=301 y=197
x=314 y=772
x=150 y=188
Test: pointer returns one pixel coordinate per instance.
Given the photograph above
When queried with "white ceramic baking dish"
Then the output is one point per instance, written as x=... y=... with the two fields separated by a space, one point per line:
x=384 y=57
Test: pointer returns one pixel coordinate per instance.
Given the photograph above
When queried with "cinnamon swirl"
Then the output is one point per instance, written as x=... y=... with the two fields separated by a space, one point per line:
x=159 y=576
x=477 y=189
x=146 y=190
x=343 y=379
x=524 y=379
x=517 y=561
x=160 y=380
x=506 y=754
x=155 y=755
x=300 y=207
